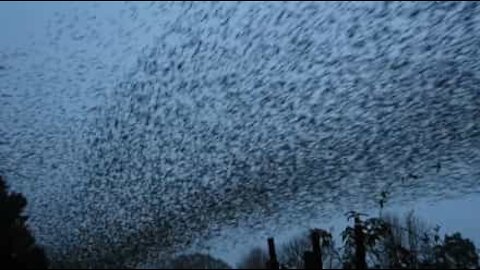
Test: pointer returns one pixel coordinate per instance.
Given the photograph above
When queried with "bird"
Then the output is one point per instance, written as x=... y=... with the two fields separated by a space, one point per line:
x=438 y=166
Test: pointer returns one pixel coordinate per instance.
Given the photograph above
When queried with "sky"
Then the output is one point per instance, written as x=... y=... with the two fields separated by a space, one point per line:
x=452 y=215
x=64 y=60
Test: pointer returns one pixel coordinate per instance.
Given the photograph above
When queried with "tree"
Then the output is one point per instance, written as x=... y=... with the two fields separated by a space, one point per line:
x=404 y=244
x=17 y=245
x=409 y=243
x=361 y=241
x=194 y=261
x=291 y=253
x=256 y=259
x=458 y=253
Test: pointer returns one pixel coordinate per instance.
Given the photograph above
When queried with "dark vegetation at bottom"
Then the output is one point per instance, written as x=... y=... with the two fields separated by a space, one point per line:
x=17 y=245
x=375 y=243
x=386 y=241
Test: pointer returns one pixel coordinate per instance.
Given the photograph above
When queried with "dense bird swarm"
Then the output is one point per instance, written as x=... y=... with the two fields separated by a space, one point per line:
x=235 y=114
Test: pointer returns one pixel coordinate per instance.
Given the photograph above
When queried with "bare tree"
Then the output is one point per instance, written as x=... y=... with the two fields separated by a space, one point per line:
x=291 y=253
x=194 y=261
x=256 y=259
x=405 y=244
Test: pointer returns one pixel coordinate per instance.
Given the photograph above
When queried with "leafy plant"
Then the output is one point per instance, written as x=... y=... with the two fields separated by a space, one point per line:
x=17 y=246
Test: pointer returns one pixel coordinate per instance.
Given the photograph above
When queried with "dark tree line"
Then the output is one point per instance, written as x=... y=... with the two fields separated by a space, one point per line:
x=385 y=242
x=17 y=245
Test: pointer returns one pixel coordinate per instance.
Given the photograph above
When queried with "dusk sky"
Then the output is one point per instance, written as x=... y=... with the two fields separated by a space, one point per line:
x=233 y=122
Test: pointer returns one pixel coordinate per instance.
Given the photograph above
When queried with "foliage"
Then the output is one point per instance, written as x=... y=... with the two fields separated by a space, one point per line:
x=256 y=259
x=195 y=261
x=291 y=253
x=17 y=245
x=389 y=242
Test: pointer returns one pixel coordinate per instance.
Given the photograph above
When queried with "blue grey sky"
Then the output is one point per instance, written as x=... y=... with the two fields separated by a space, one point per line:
x=337 y=97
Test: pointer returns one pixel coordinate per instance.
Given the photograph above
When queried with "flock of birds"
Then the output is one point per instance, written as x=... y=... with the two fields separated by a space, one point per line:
x=235 y=114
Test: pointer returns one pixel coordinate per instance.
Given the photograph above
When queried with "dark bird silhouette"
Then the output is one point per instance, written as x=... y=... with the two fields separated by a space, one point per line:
x=438 y=166
x=412 y=176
